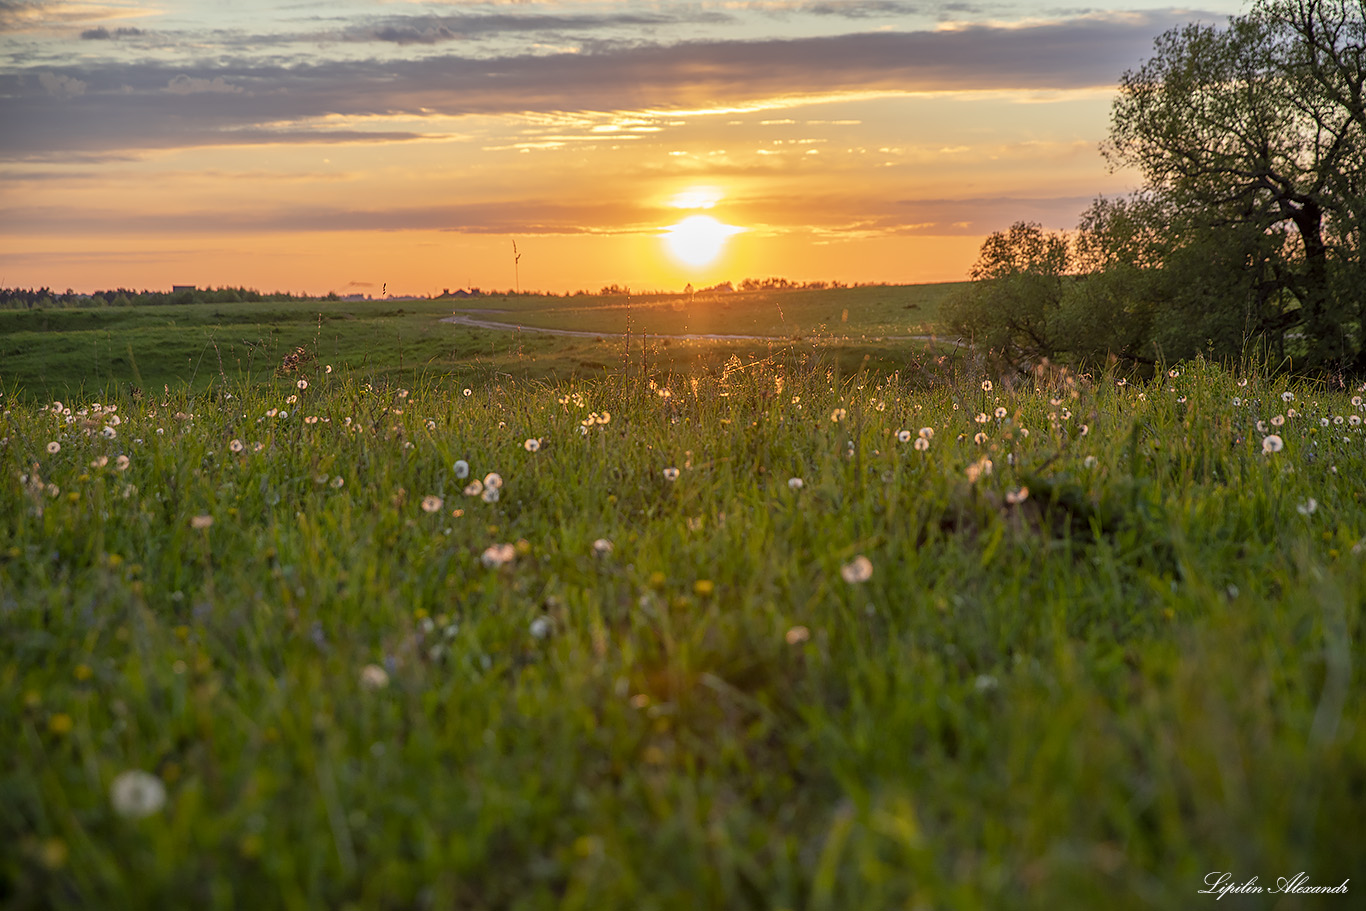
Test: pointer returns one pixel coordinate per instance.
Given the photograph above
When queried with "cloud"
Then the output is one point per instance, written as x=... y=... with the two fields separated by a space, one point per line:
x=190 y=85
x=146 y=104
x=61 y=86
x=104 y=34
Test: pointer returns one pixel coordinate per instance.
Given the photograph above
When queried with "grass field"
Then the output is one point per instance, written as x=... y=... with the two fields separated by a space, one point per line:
x=740 y=645
x=58 y=353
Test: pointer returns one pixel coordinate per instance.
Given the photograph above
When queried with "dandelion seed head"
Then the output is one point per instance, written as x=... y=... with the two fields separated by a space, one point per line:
x=461 y=469
x=532 y=445
x=860 y=569
x=671 y=474
x=431 y=503
x=373 y=677
x=922 y=443
x=1272 y=443
x=542 y=627
x=136 y=794
x=795 y=483
x=797 y=635
x=54 y=447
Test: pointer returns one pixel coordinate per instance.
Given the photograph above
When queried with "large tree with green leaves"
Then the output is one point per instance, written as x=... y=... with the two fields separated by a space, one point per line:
x=1257 y=132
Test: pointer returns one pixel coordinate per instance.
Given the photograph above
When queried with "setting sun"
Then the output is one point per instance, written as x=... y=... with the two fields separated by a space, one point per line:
x=698 y=239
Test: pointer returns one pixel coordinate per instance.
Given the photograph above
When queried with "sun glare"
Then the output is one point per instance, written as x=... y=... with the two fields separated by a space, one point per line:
x=698 y=239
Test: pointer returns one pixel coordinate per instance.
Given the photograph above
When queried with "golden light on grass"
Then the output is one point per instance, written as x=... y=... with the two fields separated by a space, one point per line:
x=698 y=239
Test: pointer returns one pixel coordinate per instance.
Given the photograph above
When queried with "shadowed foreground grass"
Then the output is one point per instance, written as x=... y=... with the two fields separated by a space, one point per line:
x=650 y=672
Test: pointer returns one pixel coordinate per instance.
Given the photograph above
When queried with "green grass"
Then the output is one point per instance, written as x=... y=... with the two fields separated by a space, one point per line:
x=1146 y=670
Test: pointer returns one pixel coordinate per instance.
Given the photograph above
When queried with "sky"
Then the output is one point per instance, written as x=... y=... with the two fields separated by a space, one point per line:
x=360 y=145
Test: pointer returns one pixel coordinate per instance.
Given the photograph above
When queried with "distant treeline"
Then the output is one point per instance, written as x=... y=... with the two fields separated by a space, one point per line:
x=42 y=298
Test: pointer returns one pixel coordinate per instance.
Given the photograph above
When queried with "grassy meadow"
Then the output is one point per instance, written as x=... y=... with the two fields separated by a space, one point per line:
x=770 y=629
x=60 y=353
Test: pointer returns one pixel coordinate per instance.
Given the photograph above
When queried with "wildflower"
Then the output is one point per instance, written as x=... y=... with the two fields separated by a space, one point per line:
x=1000 y=412
x=291 y=400
x=704 y=588
x=795 y=483
x=108 y=432
x=337 y=482
x=1261 y=426
x=531 y=445
x=201 y=522
x=100 y=462
x=926 y=433
x=1173 y=373
x=981 y=418
x=797 y=635
x=1016 y=497
x=235 y=446
x=1122 y=382
x=922 y=443
x=602 y=547
x=542 y=627
x=979 y=438
x=860 y=569
x=986 y=385
x=136 y=794
x=605 y=417
x=1337 y=419
x=1356 y=401
x=1307 y=507
x=491 y=494
x=311 y=419
x=671 y=474
x=1085 y=429
x=1323 y=422
x=1089 y=462
x=468 y=393
x=1272 y=443
x=1287 y=396
x=283 y=415
x=493 y=479
x=54 y=447
x=1237 y=401
x=461 y=469
x=1278 y=420
x=838 y=415
x=327 y=369
x=904 y=436
x=474 y=488
x=373 y=677
x=431 y=504
x=496 y=555
x=121 y=463
x=303 y=384
x=978 y=469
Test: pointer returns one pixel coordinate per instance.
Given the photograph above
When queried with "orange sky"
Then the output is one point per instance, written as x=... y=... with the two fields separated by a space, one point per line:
x=346 y=146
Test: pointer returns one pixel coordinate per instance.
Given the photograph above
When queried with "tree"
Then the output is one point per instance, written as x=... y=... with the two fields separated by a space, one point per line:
x=1011 y=307
x=1257 y=131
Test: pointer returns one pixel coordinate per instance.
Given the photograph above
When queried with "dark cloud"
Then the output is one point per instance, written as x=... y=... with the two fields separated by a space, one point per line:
x=104 y=34
x=149 y=105
x=439 y=29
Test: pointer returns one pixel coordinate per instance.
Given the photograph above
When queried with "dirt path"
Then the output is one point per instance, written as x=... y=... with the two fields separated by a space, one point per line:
x=466 y=319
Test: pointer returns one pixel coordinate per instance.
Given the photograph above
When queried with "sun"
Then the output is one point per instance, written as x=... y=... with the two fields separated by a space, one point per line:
x=698 y=239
